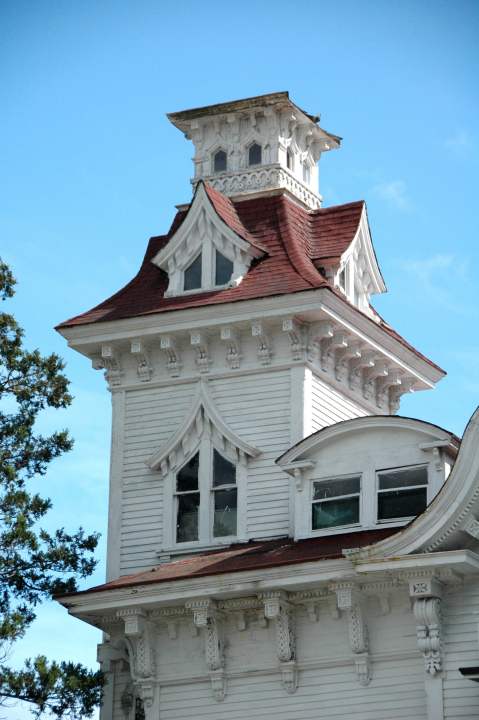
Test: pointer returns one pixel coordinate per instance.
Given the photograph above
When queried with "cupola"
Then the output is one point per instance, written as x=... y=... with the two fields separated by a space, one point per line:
x=257 y=145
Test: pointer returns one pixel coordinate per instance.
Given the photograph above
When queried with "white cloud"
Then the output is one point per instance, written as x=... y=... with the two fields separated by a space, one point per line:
x=438 y=277
x=460 y=142
x=394 y=192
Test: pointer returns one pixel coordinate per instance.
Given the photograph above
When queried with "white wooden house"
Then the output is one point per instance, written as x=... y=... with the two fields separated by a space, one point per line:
x=280 y=542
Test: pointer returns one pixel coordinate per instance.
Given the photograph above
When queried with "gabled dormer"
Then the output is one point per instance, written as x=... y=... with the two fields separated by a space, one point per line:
x=205 y=253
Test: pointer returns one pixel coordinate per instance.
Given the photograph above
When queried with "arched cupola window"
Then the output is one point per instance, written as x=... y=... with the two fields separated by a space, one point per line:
x=254 y=154
x=219 y=161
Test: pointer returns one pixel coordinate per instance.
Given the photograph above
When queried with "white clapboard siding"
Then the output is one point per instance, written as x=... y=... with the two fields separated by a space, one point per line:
x=461 y=649
x=396 y=692
x=151 y=416
x=257 y=407
x=329 y=406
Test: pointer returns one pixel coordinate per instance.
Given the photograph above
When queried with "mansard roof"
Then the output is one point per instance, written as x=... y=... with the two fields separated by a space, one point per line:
x=249 y=556
x=291 y=246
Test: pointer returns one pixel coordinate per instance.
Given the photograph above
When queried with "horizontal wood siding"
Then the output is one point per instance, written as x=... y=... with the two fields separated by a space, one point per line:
x=461 y=648
x=257 y=407
x=396 y=692
x=329 y=406
x=151 y=416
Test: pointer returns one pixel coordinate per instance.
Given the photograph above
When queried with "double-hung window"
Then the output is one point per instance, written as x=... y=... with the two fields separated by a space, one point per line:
x=402 y=492
x=336 y=502
x=206 y=497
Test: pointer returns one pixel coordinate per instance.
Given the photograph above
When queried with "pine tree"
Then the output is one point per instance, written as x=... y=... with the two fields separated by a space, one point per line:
x=35 y=564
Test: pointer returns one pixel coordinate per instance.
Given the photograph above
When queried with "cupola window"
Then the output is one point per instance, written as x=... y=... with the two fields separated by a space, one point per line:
x=336 y=502
x=219 y=161
x=402 y=492
x=254 y=154
x=192 y=274
x=289 y=160
x=306 y=173
x=223 y=269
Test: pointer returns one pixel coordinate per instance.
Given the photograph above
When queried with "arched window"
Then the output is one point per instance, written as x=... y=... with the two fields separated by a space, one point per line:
x=289 y=160
x=219 y=161
x=192 y=276
x=223 y=269
x=254 y=154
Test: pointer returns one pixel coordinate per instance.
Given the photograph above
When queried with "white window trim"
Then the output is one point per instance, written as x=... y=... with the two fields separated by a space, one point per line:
x=206 y=538
x=429 y=493
x=321 y=531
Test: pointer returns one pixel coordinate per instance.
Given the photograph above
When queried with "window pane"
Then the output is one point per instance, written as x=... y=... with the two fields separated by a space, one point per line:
x=401 y=503
x=254 y=155
x=306 y=173
x=225 y=512
x=220 y=161
x=289 y=160
x=224 y=472
x=224 y=269
x=334 y=488
x=187 y=520
x=404 y=477
x=193 y=274
x=335 y=513
x=187 y=478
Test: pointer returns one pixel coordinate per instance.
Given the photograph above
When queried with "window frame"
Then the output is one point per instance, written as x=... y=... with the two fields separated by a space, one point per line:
x=206 y=538
x=331 y=478
x=398 y=468
x=213 y=161
x=248 y=150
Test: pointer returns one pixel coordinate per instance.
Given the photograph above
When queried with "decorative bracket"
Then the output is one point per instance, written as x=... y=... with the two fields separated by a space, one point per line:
x=206 y=618
x=200 y=342
x=231 y=339
x=343 y=360
x=370 y=376
x=110 y=363
x=139 y=634
x=348 y=601
x=471 y=527
x=173 y=357
x=265 y=350
x=356 y=368
x=295 y=334
x=328 y=349
x=383 y=387
x=425 y=591
x=277 y=608
x=144 y=368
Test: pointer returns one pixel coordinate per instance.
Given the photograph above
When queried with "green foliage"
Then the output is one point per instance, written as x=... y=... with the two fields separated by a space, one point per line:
x=35 y=564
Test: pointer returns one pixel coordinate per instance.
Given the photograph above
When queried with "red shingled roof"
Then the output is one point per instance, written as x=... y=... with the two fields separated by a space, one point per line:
x=287 y=238
x=291 y=244
x=250 y=556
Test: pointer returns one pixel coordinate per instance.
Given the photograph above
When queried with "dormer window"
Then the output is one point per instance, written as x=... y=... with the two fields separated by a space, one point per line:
x=223 y=269
x=402 y=493
x=254 y=154
x=336 y=502
x=193 y=274
x=219 y=161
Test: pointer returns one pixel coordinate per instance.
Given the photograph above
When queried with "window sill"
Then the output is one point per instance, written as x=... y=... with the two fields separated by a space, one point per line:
x=170 y=553
x=343 y=529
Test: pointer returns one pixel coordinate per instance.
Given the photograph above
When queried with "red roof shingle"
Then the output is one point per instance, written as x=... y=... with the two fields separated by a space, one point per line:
x=250 y=556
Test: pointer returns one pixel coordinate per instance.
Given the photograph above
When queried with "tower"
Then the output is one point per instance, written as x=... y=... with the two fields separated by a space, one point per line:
x=247 y=332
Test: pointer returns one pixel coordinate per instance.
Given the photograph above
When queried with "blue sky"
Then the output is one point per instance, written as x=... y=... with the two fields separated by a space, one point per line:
x=90 y=168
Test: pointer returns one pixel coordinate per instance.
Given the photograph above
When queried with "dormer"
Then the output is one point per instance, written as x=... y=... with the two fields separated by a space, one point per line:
x=355 y=271
x=366 y=473
x=205 y=254
x=259 y=144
